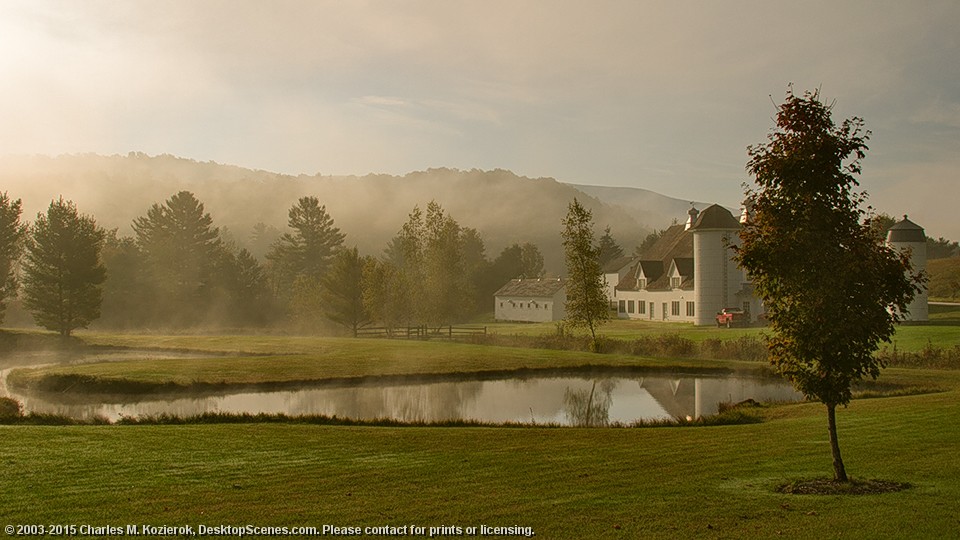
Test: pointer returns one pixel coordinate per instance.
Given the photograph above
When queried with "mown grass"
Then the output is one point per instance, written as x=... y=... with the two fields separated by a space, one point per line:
x=715 y=482
x=705 y=482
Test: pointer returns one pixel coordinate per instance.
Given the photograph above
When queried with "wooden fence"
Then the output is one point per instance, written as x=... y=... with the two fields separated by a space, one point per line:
x=422 y=332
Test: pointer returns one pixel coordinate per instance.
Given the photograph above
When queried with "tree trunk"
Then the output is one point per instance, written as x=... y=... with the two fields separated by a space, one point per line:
x=839 y=473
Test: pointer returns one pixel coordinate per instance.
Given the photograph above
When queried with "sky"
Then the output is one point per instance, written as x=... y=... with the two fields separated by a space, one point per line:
x=665 y=96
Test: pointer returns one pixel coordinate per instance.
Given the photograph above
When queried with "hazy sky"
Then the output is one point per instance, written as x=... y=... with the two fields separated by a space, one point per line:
x=660 y=95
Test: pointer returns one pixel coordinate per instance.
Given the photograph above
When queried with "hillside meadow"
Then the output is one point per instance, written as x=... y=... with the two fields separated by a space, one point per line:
x=704 y=482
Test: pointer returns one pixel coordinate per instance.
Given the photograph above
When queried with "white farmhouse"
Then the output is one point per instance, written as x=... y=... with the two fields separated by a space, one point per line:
x=689 y=275
x=531 y=300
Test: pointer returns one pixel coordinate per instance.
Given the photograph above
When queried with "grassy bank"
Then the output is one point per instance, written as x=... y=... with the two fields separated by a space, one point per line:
x=320 y=359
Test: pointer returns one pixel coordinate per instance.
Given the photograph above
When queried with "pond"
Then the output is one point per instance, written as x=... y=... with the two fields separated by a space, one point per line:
x=568 y=399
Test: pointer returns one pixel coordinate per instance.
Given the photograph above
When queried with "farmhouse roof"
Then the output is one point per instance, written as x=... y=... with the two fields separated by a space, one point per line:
x=649 y=270
x=616 y=265
x=534 y=288
x=674 y=242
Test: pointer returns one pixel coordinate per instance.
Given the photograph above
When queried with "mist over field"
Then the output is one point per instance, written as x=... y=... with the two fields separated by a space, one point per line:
x=503 y=207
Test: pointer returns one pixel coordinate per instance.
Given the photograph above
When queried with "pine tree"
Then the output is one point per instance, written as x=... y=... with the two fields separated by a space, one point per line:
x=343 y=291
x=609 y=249
x=182 y=249
x=309 y=248
x=11 y=246
x=62 y=269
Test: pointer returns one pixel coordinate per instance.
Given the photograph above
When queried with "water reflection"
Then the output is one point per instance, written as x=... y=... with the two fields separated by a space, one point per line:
x=569 y=400
x=590 y=408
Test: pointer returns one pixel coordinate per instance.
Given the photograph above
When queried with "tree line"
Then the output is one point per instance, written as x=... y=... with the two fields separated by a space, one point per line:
x=179 y=270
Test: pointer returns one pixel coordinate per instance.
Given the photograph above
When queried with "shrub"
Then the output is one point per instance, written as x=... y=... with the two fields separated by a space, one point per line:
x=10 y=409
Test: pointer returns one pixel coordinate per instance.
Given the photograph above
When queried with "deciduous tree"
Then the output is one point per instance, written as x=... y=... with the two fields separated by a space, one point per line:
x=832 y=289
x=62 y=269
x=587 y=303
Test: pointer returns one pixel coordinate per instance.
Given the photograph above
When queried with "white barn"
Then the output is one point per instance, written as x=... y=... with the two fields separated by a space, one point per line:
x=689 y=274
x=531 y=300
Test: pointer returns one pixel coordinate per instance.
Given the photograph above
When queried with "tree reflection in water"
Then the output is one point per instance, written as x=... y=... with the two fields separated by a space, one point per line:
x=590 y=407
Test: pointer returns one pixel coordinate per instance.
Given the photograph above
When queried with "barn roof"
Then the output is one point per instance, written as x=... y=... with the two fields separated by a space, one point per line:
x=543 y=287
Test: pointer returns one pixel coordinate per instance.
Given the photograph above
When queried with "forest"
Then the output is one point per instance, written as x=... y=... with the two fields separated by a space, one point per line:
x=179 y=271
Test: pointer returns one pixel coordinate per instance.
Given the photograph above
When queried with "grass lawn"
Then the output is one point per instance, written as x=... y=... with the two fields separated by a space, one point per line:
x=565 y=483
x=943 y=330
x=711 y=482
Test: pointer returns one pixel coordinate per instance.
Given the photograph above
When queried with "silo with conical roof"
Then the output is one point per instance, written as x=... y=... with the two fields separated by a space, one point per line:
x=907 y=236
x=716 y=277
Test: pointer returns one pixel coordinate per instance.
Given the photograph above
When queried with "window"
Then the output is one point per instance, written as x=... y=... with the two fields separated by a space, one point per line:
x=675 y=284
x=641 y=307
x=642 y=283
x=622 y=306
x=630 y=306
x=690 y=309
x=675 y=308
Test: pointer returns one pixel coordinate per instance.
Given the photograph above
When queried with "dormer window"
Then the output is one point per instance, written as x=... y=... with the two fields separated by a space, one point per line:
x=642 y=283
x=675 y=282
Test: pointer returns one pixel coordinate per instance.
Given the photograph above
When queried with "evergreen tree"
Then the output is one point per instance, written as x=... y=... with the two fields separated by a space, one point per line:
x=125 y=291
x=476 y=270
x=309 y=248
x=11 y=245
x=343 y=291
x=181 y=248
x=648 y=242
x=609 y=249
x=832 y=289
x=587 y=304
x=62 y=269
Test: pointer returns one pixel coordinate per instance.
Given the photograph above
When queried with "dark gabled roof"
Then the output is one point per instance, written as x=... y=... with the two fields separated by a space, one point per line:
x=616 y=265
x=906 y=231
x=684 y=266
x=534 y=288
x=651 y=269
x=716 y=217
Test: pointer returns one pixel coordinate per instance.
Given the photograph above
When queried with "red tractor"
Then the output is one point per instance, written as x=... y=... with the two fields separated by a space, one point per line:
x=731 y=317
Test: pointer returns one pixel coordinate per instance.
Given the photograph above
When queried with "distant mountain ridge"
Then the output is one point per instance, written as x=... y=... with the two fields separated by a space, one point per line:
x=654 y=210
x=370 y=209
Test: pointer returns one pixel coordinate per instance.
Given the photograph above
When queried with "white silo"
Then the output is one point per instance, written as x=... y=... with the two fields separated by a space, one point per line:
x=907 y=236
x=716 y=278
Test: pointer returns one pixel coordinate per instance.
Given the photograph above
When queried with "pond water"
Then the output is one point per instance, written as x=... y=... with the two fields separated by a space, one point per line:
x=567 y=400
